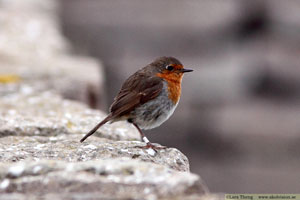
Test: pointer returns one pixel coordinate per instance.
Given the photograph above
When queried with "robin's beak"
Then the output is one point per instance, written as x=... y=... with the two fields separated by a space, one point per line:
x=186 y=70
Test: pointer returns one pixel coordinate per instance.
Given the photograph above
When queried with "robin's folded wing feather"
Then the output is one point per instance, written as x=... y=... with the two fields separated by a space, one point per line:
x=136 y=91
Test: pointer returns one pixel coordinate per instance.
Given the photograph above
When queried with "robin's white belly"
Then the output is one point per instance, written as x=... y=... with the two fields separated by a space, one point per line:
x=155 y=112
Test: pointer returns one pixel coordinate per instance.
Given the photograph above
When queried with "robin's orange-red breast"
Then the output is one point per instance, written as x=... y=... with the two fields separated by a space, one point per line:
x=148 y=97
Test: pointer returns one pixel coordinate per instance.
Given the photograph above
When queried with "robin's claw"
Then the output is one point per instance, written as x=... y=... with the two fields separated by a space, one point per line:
x=149 y=145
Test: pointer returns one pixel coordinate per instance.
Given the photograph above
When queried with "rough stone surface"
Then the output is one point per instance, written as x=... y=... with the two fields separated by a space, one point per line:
x=34 y=53
x=113 y=178
x=46 y=114
x=68 y=148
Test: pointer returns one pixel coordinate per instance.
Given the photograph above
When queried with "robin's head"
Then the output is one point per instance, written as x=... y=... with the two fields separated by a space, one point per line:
x=169 y=68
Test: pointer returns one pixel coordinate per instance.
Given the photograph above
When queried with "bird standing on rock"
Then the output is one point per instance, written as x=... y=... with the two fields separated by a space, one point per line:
x=148 y=97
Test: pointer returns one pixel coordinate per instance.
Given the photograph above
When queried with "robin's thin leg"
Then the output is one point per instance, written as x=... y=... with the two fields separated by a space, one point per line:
x=145 y=139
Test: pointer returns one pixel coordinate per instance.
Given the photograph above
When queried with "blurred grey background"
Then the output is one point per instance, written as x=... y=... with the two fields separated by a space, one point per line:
x=239 y=117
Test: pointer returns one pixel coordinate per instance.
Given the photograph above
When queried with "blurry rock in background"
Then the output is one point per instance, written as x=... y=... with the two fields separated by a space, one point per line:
x=239 y=117
x=36 y=57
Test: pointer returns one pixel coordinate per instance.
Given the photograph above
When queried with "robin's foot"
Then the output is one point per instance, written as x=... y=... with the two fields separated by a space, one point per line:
x=149 y=145
x=145 y=139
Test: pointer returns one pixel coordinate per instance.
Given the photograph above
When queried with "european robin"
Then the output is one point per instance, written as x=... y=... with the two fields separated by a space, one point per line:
x=148 y=97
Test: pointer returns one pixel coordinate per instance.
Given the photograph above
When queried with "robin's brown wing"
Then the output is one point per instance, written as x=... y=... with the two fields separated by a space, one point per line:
x=137 y=90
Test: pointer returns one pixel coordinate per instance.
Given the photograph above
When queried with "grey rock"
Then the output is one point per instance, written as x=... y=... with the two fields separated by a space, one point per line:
x=29 y=31
x=47 y=114
x=112 y=179
x=68 y=148
x=34 y=53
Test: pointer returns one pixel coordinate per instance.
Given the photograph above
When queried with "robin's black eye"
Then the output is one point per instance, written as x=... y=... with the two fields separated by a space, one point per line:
x=169 y=67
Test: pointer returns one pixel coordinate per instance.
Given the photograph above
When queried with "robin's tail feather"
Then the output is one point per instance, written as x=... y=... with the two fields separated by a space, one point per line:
x=108 y=118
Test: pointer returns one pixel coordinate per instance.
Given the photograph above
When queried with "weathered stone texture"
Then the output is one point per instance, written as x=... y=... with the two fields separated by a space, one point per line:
x=115 y=178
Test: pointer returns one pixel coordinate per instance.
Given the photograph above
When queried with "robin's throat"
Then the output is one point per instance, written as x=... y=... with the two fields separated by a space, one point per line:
x=174 y=86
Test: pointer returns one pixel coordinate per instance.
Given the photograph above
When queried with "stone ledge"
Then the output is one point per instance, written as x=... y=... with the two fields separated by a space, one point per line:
x=114 y=178
x=68 y=148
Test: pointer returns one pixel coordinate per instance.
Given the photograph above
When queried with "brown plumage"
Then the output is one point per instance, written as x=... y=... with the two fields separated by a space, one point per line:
x=148 y=97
